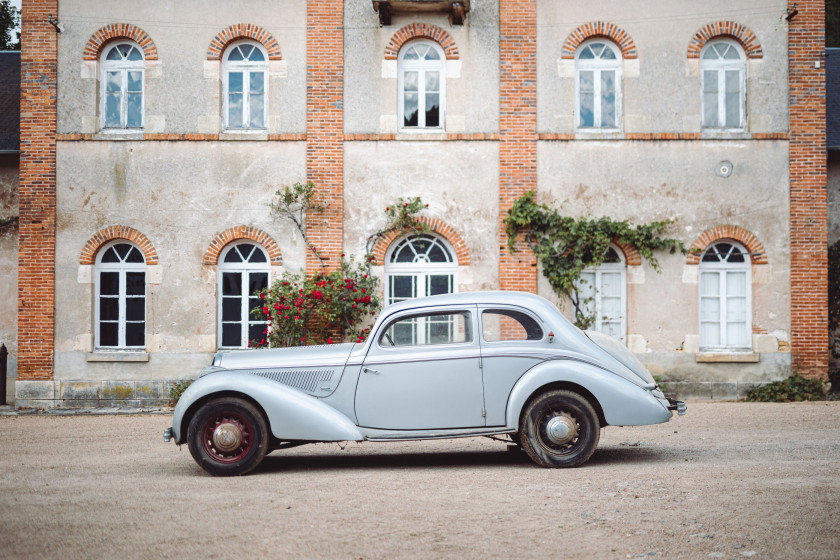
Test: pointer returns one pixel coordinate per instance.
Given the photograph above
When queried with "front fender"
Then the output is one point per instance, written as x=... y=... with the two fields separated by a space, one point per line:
x=623 y=403
x=292 y=414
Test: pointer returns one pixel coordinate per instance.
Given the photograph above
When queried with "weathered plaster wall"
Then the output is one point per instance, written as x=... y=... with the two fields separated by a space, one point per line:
x=180 y=195
x=661 y=88
x=472 y=84
x=833 y=196
x=9 y=173
x=652 y=181
x=183 y=88
x=461 y=188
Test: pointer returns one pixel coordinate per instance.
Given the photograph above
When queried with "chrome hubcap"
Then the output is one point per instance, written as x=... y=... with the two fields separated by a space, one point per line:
x=561 y=429
x=227 y=437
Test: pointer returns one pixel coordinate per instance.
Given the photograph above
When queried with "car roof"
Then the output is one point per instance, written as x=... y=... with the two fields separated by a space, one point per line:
x=522 y=299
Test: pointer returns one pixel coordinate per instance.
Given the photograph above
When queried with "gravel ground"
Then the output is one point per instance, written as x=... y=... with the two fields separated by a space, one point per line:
x=729 y=480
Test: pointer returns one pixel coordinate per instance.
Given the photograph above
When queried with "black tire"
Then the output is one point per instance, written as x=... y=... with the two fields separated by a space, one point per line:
x=228 y=437
x=559 y=429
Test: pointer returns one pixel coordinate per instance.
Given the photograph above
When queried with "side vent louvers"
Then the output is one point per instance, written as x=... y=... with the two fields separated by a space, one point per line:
x=304 y=379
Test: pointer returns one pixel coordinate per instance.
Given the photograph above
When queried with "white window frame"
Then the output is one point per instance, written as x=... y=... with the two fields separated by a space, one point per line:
x=121 y=268
x=609 y=268
x=723 y=269
x=246 y=269
x=123 y=67
x=597 y=66
x=246 y=67
x=721 y=66
x=421 y=66
x=421 y=271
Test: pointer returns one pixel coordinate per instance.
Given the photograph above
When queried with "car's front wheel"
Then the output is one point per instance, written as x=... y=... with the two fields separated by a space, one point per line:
x=559 y=429
x=228 y=436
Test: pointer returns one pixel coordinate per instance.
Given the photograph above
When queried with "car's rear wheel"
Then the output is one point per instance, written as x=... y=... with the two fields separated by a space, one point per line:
x=559 y=429
x=228 y=437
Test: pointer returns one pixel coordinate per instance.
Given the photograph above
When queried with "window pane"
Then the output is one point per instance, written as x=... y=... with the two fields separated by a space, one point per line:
x=109 y=308
x=235 y=82
x=257 y=281
x=608 y=99
x=257 y=256
x=411 y=81
x=256 y=332
x=235 y=54
x=109 y=283
x=509 y=325
x=135 y=334
x=440 y=284
x=257 y=82
x=235 y=112
x=135 y=283
x=107 y=334
x=710 y=309
x=134 y=256
x=257 y=110
x=113 y=81
x=134 y=54
x=710 y=99
x=410 y=109
x=231 y=309
x=134 y=110
x=135 y=81
x=611 y=284
x=411 y=54
x=233 y=255
x=432 y=109
x=733 y=98
x=432 y=82
x=432 y=54
x=231 y=334
x=709 y=284
x=404 y=333
x=112 y=110
x=135 y=309
x=736 y=284
x=402 y=287
x=586 y=54
x=256 y=55
x=710 y=334
x=114 y=54
x=232 y=283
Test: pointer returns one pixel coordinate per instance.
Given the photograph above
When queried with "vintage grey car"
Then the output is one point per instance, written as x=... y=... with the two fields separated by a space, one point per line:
x=449 y=366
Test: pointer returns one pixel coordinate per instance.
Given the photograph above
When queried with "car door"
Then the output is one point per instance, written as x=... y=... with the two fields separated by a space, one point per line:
x=512 y=341
x=422 y=372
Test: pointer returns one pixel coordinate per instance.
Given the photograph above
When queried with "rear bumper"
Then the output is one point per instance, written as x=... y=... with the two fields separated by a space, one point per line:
x=679 y=406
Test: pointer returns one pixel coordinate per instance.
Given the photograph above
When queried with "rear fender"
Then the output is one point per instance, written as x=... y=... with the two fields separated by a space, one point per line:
x=623 y=403
x=291 y=414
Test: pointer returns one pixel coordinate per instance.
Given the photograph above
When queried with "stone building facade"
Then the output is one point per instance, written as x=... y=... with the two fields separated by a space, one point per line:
x=154 y=135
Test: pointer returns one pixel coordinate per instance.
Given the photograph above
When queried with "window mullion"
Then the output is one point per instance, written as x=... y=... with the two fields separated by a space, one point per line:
x=721 y=97
x=246 y=99
x=123 y=97
x=421 y=97
x=596 y=102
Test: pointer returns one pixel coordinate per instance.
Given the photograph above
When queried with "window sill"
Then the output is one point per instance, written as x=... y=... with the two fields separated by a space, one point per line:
x=261 y=134
x=727 y=357
x=430 y=134
x=598 y=134
x=119 y=134
x=720 y=134
x=118 y=356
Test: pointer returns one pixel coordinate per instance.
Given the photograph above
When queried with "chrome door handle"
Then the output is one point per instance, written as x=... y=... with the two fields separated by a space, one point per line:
x=369 y=370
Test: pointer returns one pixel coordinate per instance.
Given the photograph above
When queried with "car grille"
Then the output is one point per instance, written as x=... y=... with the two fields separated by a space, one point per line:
x=304 y=379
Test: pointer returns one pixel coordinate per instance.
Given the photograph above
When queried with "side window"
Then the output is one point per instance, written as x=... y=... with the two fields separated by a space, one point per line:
x=422 y=80
x=243 y=271
x=506 y=325
x=245 y=69
x=723 y=71
x=725 y=313
x=427 y=329
x=121 y=82
x=598 y=86
x=120 y=313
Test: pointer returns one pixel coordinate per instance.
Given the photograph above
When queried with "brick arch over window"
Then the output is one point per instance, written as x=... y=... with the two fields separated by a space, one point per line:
x=422 y=31
x=112 y=233
x=243 y=31
x=600 y=29
x=726 y=29
x=114 y=31
x=632 y=257
x=437 y=226
x=745 y=237
x=240 y=233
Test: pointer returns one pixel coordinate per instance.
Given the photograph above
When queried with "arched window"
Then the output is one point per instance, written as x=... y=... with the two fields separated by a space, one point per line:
x=417 y=266
x=245 y=70
x=598 y=85
x=422 y=81
x=723 y=70
x=243 y=271
x=121 y=102
x=120 y=314
x=725 y=306
x=603 y=293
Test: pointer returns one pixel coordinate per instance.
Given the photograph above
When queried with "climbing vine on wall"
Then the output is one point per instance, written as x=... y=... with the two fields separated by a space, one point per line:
x=328 y=306
x=565 y=246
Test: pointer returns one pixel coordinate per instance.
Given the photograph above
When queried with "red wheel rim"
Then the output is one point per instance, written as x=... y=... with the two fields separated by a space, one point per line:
x=227 y=437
